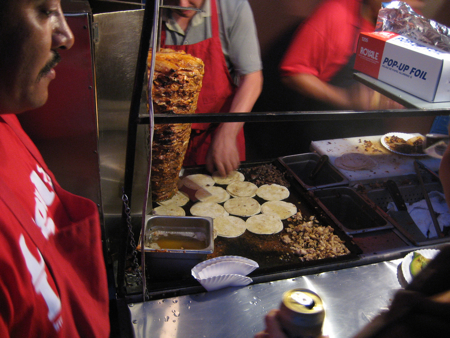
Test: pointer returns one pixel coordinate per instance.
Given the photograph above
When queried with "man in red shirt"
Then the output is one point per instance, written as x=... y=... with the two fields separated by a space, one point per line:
x=53 y=278
x=319 y=62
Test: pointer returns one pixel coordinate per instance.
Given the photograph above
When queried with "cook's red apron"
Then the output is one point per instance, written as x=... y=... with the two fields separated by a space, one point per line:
x=216 y=94
x=73 y=254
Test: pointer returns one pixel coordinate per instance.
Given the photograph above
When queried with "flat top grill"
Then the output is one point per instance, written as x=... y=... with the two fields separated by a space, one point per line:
x=272 y=255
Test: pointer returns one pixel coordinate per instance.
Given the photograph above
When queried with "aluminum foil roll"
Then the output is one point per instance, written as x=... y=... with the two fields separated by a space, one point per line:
x=400 y=18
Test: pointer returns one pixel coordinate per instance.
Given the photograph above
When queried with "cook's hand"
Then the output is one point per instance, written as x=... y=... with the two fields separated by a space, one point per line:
x=273 y=328
x=223 y=154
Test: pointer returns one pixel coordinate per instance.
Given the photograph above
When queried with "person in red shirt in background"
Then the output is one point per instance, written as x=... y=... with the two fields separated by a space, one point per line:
x=53 y=277
x=319 y=62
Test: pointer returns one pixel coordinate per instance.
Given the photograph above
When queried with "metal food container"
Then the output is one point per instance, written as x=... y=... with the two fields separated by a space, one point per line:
x=411 y=193
x=302 y=165
x=184 y=242
x=350 y=210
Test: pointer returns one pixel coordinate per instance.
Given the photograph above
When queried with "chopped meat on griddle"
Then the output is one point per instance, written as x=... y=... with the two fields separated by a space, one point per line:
x=265 y=174
x=311 y=241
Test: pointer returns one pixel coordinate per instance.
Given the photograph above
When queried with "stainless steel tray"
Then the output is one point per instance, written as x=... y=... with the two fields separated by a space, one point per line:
x=350 y=211
x=411 y=194
x=301 y=166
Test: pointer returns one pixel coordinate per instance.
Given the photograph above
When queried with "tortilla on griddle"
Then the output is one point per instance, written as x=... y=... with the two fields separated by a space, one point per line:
x=242 y=206
x=242 y=189
x=355 y=161
x=279 y=208
x=231 y=177
x=264 y=224
x=212 y=194
x=208 y=209
x=272 y=192
x=229 y=226
x=179 y=199
x=197 y=181
x=169 y=210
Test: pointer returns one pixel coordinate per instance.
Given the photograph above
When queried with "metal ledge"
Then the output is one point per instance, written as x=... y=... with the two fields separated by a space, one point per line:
x=292 y=116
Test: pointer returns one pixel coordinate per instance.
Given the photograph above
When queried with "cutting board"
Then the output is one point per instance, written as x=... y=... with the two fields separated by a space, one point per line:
x=389 y=164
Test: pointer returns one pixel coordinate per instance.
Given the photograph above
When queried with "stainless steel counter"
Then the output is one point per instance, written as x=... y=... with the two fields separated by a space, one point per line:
x=352 y=297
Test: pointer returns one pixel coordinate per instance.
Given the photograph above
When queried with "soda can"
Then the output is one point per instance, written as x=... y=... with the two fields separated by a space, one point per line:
x=302 y=314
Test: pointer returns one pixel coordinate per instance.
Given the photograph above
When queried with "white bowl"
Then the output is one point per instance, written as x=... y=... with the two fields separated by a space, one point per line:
x=223 y=281
x=224 y=265
x=226 y=268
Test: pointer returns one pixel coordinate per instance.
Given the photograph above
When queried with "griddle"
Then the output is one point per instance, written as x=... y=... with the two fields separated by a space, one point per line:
x=272 y=255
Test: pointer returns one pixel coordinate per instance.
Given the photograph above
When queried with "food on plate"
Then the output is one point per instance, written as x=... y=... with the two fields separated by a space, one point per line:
x=242 y=189
x=229 y=226
x=418 y=263
x=212 y=194
x=208 y=209
x=242 y=206
x=264 y=224
x=265 y=174
x=197 y=181
x=310 y=240
x=272 y=192
x=176 y=87
x=355 y=161
x=179 y=199
x=412 y=145
x=231 y=177
x=279 y=208
x=169 y=210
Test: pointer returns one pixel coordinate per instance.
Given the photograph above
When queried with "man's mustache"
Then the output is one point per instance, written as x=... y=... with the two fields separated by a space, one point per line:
x=50 y=65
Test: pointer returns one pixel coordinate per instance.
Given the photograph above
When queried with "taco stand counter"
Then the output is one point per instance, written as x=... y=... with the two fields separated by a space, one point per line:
x=352 y=297
x=353 y=293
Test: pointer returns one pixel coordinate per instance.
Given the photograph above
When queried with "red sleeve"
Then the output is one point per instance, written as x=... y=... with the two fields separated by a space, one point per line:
x=324 y=43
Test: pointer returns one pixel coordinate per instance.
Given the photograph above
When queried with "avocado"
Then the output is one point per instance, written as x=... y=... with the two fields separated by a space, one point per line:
x=418 y=263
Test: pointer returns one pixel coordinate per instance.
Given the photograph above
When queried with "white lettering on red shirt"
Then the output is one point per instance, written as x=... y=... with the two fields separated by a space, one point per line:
x=44 y=197
x=41 y=285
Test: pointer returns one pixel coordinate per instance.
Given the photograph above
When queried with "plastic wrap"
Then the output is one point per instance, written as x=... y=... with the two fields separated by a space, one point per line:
x=400 y=18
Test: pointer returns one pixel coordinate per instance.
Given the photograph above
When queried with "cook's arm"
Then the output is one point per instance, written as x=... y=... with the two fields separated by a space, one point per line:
x=355 y=97
x=223 y=154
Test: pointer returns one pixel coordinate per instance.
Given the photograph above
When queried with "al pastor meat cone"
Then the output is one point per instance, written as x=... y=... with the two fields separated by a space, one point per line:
x=177 y=83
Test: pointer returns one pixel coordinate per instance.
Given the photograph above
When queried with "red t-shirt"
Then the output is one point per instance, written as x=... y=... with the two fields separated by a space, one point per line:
x=53 y=278
x=324 y=43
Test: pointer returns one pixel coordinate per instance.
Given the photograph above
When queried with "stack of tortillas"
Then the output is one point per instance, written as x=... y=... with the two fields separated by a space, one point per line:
x=240 y=210
x=355 y=161
x=173 y=206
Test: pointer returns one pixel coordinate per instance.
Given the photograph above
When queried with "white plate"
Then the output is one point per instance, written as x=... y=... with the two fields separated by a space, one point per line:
x=226 y=268
x=404 y=136
x=427 y=253
x=224 y=265
x=223 y=281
